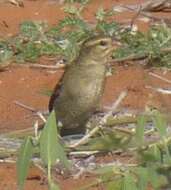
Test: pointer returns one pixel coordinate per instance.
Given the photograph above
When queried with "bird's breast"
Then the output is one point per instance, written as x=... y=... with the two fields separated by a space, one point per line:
x=83 y=87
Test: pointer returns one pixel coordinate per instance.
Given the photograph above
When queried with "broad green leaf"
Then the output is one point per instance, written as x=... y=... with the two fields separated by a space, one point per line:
x=160 y=123
x=53 y=186
x=166 y=156
x=114 y=185
x=142 y=178
x=152 y=154
x=23 y=161
x=155 y=179
x=140 y=130
x=51 y=149
x=128 y=183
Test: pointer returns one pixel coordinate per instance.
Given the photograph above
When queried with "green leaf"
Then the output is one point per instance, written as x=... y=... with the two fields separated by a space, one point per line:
x=160 y=123
x=102 y=14
x=32 y=30
x=6 y=52
x=152 y=154
x=108 y=28
x=142 y=178
x=166 y=156
x=50 y=49
x=155 y=179
x=48 y=141
x=73 y=10
x=74 y=22
x=114 y=185
x=31 y=52
x=23 y=161
x=128 y=183
x=53 y=186
x=140 y=130
x=51 y=149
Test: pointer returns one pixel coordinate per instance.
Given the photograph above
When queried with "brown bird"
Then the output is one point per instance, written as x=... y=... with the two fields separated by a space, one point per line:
x=77 y=96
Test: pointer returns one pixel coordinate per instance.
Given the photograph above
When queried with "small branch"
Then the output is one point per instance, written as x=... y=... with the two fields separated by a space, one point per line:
x=83 y=153
x=20 y=133
x=114 y=107
x=161 y=90
x=41 y=116
x=86 y=137
x=25 y=106
x=59 y=66
x=160 y=77
x=145 y=14
x=135 y=17
x=38 y=113
x=18 y=3
x=156 y=5
x=131 y=57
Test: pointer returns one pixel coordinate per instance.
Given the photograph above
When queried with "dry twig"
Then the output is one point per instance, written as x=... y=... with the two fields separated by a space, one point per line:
x=38 y=113
x=156 y=5
x=58 y=66
x=160 y=77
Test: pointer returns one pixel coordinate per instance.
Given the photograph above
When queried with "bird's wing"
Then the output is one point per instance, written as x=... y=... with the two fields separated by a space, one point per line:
x=55 y=93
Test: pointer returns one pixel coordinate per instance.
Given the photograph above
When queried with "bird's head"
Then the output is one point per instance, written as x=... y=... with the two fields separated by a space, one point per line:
x=100 y=46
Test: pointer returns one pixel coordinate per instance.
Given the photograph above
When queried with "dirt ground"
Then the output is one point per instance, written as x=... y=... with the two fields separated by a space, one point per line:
x=26 y=84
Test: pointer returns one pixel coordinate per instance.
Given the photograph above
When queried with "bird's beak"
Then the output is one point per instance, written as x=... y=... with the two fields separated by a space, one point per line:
x=114 y=46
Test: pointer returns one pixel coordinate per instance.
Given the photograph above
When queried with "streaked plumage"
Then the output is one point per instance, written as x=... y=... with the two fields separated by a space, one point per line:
x=77 y=96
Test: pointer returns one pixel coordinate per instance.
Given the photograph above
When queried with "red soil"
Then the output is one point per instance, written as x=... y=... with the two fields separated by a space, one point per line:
x=26 y=85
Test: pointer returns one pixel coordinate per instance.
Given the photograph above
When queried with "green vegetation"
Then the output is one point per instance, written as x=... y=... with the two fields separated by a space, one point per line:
x=48 y=146
x=36 y=39
x=152 y=159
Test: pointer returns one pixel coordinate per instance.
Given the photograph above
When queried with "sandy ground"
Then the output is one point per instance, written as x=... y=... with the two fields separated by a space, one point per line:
x=26 y=85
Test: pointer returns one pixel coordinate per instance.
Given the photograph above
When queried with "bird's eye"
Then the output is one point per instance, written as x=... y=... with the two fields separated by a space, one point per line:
x=103 y=43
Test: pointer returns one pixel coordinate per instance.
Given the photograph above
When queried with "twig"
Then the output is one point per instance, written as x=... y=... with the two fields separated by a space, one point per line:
x=20 y=133
x=83 y=153
x=8 y=160
x=18 y=3
x=131 y=57
x=59 y=66
x=122 y=130
x=161 y=90
x=41 y=116
x=102 y=121
x=38 y=113
x=143 y=13
x=25 y=106
x=156 y=5
x=86 y=137
x=114 y=107
x=135 y=17
x=160 y=77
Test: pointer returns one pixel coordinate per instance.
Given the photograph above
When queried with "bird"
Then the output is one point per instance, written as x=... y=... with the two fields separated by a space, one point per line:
x=77 y=95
